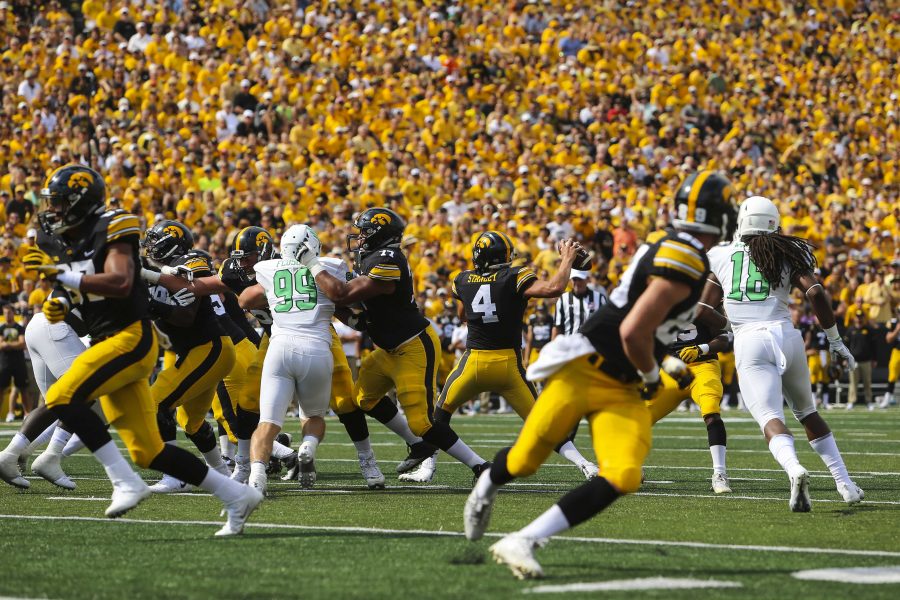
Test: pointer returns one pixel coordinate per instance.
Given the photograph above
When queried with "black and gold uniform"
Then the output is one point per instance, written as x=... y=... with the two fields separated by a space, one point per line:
x=408 y=349
x=541 y=326
x=205 y=356
x=706 y=388
x=603 y=385
x=117 y=366
x=818 y=357
x=894 y=361
x=494 y=302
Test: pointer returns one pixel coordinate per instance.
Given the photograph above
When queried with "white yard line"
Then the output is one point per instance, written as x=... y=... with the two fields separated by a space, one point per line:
x=425 y=532
x=644 y=583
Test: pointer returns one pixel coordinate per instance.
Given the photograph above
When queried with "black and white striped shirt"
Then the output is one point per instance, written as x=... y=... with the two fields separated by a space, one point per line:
x=572 y=311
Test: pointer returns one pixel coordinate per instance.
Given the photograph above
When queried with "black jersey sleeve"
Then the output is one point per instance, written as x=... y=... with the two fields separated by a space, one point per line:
x=678 y=260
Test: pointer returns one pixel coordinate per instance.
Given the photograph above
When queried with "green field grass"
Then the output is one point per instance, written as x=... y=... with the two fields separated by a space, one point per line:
x=344 y=541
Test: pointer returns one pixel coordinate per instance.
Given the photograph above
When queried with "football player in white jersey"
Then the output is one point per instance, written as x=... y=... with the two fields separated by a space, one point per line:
x=299 y=358
x=754 y=276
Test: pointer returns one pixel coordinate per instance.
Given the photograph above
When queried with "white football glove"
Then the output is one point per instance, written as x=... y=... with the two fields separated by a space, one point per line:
x=306 y=254
x=183 y=297
x=840 y=354
x=179 y=271
x=677 y=370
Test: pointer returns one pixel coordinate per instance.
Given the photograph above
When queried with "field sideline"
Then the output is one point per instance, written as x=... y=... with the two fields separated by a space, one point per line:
x=345 y=541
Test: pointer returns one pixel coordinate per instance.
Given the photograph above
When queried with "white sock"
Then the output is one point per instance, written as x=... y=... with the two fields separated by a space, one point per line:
x=311 y=442
x=72 y=446
x=363 y=447
x=42 y=439
x=571 y=454
x=400 y=426
x=782 y=448
x=243 y=452
x=59 y=440
x=827 y=449
x=114 y=463
x=718 y=458
x=280 y=451
x=223 y=444
x=258 y=469
x=550 y=523
x=214 y=458
x=222 y=487
x=18 y=444
x=461 y=452
x=486 y=487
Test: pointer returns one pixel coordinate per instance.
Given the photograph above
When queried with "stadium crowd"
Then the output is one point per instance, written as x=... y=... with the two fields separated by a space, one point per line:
x=541 y=118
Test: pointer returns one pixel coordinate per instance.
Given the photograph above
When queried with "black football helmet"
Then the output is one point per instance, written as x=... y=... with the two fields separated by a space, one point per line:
x=492 y=250
x=72 y=195
x=378 y=228
x=251 y=245
x=167 y=240
x=703 y=205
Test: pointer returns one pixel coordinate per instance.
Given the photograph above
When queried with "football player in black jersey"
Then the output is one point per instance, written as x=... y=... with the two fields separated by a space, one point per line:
x=893 y=340
x=607 y=372
x=95 y=254
x=538 y=333
x=408 y=350
x=493 y=297
x=205 y=352
x=251 y=245
x=818 y=358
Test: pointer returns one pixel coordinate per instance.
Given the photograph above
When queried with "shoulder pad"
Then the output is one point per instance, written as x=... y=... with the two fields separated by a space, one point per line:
x=119 y=224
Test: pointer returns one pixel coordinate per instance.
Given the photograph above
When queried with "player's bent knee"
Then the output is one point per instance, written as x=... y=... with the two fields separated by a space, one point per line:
x=419 y=425
x=522 y=463
x=142 y=456
x=626 y=480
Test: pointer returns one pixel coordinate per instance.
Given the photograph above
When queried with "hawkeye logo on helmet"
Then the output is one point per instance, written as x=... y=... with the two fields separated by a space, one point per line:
x=80 y=180
x=483 y=242
x=173 y=231
x=262 y=238
x=381 y=219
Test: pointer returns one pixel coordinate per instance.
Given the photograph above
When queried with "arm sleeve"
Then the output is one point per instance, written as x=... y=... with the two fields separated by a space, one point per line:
x=122 y=226
x=524 y=278
x=677 y=261
x=385 y=269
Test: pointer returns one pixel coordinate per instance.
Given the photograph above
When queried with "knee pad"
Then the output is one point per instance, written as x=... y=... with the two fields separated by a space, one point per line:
x=204 y=438
x=441 y=416
x=419 y=424
x=384 y=410
x=165 y=419
x=625 y=480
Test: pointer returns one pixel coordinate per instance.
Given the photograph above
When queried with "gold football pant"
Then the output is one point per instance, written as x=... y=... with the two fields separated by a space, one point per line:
x=190 y=385
x=619 y=421
x=341 y=379
x=894 y=366
x=410 y=368
x=818 y=370
x=706 y=391
x=478 y=371
x=117 y=370
x=726 y=363
x=254 y=376
x=231 y=392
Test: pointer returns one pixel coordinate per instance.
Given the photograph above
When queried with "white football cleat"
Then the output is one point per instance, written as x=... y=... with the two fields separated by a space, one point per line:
x=49 y=467
x=423 y=473
x=720 y=483
x=517 y=553
x=170 y=485
x=852 y=494
x=370 y=471
x=307 y=466
x=477 y=513
x=589 y=470
x=800 y=492
x=418 y=452
x=241 y=470
x=126 y=495
x=9 y=471
x=239 y=511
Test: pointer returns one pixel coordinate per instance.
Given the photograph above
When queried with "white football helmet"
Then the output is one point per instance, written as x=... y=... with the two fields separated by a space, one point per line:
x=298 y=238
x=757 y=215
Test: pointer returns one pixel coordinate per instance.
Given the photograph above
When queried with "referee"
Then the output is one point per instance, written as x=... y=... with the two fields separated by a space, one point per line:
x=575 y=306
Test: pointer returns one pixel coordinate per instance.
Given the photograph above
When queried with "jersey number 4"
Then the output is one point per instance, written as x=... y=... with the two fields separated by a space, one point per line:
x=294 y=289
x=754 y=287
x=482 y=304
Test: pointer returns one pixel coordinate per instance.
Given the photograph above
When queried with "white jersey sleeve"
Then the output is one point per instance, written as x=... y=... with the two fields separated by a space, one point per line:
x=749 y=298
x=297 y=306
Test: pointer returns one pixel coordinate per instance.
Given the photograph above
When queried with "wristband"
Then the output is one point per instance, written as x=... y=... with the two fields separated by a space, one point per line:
x=831 y=333
x=315 y=267
x=730 y=336
x=651 y=376
x=70 y=279
x=704 y=349
x=149 y=276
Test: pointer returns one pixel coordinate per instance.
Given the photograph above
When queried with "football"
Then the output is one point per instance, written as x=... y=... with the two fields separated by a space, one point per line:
x=584 y=260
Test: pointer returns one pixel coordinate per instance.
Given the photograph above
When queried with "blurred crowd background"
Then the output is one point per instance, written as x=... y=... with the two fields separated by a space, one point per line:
x=541 y=118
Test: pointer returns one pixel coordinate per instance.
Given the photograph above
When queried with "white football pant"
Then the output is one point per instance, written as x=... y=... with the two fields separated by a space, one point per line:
x=295 y=365
x=772 y=368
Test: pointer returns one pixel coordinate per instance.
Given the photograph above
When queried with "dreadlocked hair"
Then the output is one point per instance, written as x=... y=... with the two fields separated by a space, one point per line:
x=770 y=252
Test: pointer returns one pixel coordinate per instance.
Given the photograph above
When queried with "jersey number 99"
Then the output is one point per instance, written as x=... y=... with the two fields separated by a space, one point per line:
x=294 y=289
